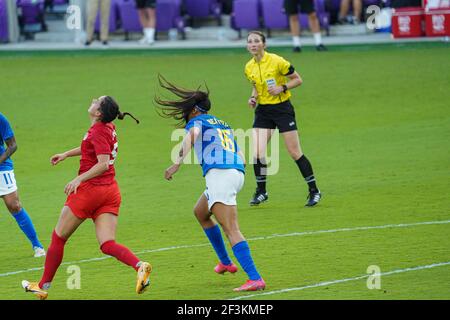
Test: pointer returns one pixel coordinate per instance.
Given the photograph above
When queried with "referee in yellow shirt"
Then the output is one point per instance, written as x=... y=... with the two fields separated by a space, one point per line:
x=272 y=78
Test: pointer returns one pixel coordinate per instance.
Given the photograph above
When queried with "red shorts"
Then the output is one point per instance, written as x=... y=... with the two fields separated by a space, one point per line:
x=90 y=201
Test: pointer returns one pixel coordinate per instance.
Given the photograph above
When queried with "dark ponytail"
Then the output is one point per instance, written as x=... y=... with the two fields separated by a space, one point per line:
x=110 y=110
x=121 y=115
x=180 y=109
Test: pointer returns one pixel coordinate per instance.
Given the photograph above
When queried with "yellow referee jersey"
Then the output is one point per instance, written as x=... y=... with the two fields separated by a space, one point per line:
x=271 y=70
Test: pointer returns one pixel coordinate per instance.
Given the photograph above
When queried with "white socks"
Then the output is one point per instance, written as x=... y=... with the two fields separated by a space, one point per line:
x=296 y=41
x=149 y=34
x=318 y=38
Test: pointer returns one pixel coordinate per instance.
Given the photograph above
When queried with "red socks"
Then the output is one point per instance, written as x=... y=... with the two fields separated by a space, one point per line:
x=53 y=259
x=120 y=252
x=55 y=254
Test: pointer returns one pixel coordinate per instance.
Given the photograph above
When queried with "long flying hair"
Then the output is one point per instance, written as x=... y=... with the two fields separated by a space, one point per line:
x=110 y=110
x=181 y=108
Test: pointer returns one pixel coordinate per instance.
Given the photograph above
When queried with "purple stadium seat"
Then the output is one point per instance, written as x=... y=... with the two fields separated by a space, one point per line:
x=112 y=18
x=203 y=9
x=128 y=16
x=31 y=16
x=198 y=8
x=367 y=3
x=245 y=15
x=4 y=33
x=273 y=15
x=32 y=10
x=168 y=16
x=166 y=12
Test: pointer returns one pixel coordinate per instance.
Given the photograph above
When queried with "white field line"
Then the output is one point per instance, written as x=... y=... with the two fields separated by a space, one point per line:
x=328 y=283
x=295 y=234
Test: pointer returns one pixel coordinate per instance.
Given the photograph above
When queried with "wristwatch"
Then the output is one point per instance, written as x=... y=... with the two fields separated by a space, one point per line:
x=284 y=88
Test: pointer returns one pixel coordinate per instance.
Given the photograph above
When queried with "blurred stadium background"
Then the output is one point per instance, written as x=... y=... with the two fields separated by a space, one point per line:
x=193 y=23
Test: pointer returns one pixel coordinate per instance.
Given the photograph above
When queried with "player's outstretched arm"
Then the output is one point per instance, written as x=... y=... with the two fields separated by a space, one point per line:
x=188 y=141
x=62 y=156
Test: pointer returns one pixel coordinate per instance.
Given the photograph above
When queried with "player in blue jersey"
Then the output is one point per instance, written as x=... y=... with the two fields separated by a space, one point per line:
x=223 y=168
x=8 y=187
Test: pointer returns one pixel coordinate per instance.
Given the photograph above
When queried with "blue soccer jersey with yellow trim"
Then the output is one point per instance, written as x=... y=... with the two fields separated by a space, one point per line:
x=215 y=147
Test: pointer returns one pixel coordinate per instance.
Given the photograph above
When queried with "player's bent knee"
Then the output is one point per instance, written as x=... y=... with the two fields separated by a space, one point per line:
x=14 y=206
x=201 y=215
x=197 y=213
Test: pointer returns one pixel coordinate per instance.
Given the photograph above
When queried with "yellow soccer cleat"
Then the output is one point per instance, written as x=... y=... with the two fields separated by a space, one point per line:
x=143 y=277
x=34 y=288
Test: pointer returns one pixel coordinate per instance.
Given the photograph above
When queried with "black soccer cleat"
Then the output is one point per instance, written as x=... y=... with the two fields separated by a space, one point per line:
x=297 y=49
x=321 y=47
x=259 y=197
x=313 y=199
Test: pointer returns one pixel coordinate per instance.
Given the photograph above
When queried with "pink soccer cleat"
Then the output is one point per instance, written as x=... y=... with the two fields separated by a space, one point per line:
x=252 y=285
x=222 y=268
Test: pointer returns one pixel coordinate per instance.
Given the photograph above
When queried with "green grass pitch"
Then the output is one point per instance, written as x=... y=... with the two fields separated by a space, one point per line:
x=374 y=121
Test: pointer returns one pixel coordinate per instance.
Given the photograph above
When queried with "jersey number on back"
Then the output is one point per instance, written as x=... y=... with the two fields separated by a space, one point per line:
x=227 y=143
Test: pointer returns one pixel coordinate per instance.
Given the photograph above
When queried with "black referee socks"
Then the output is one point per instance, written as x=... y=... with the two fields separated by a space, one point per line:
x=260 y=169
x=307 y=172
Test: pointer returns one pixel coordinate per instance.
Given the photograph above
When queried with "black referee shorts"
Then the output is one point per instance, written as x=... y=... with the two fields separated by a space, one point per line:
x=306 y=6
x=142 y=4
x=271 y=116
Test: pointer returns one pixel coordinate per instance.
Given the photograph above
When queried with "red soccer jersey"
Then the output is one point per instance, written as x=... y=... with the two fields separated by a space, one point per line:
x=100 y=139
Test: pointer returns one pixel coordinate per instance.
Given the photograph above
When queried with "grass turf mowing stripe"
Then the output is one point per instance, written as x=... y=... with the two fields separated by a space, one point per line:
x=387 y=226
x=331 y=282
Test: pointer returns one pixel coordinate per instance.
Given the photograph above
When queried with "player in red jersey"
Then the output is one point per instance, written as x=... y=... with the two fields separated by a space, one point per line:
x=93 y=194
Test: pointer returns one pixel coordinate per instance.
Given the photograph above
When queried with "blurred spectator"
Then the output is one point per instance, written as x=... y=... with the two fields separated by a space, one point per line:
x=48 y=4
x=147 y=16
x=345 y=7
x=227 y=6
x=306 y=6
x=30 y=15
x=92 y=11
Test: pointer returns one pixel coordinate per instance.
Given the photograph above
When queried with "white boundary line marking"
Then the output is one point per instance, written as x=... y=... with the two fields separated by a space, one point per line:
x=295 y=234
x=327 y=283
